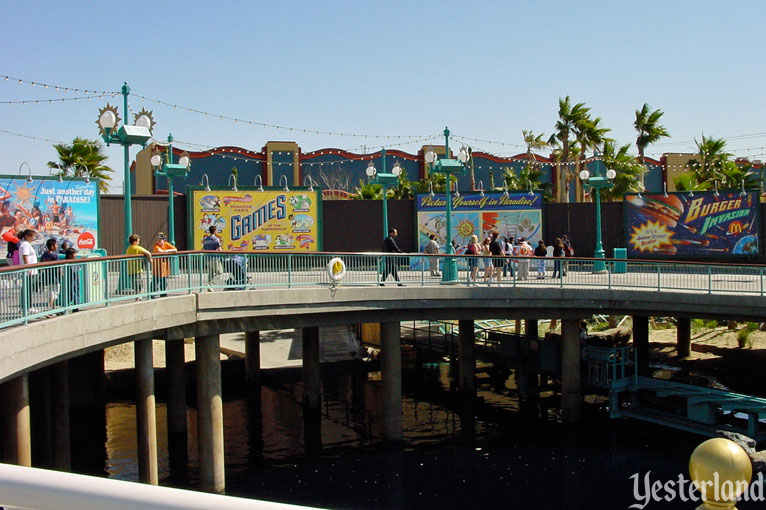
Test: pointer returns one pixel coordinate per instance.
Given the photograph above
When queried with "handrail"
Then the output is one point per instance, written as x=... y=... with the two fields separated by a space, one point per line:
x=42 y=489
x=62 y=287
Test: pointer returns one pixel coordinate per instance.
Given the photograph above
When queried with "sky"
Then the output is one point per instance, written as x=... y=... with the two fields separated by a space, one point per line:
x=393 y=73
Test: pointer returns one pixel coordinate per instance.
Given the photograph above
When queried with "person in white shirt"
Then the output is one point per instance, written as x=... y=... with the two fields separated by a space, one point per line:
x=27 y=256
x=432 y=248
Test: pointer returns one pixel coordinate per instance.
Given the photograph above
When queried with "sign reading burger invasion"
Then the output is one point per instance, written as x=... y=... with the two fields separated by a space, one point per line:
x=704 y=224
x=252 y=220
x=513 y=215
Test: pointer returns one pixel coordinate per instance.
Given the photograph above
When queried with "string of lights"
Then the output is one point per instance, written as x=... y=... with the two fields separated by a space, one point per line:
x=20 y=135
x=57 y=100
x=752 y=152
x=237 y=120
x=22 y=81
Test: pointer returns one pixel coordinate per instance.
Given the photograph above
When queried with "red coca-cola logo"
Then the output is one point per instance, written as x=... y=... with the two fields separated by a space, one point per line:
x=86 y=241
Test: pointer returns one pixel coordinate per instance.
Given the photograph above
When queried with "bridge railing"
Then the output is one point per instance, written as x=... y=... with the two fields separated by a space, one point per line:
x=33 y=292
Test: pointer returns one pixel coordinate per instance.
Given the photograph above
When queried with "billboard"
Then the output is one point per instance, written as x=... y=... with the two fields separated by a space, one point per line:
x=251 y=220
x=62 y=210
x=703 y=224
x=514 y=215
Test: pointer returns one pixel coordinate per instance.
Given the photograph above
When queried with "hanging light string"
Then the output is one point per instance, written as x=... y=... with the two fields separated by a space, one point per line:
x=37 y=138
x=237 y=120
x=59 y=100
x=94 y=93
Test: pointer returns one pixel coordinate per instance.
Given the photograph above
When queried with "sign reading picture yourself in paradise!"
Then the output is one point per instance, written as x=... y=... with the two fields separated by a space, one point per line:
x=66 y=210
x=702 y=224
x=516 y=215
x=252 y=220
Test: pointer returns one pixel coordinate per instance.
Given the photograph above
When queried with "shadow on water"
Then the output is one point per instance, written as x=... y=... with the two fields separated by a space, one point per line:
x=513 y=459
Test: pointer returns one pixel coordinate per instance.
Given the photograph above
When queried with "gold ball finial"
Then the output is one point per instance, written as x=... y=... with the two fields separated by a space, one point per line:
x=721 y=471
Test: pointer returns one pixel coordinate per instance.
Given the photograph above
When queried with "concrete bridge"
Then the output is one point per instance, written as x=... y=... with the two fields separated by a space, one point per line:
x=51 y=343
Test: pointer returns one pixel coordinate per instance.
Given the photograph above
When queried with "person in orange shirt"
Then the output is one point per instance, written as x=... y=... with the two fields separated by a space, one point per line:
x=161 y=266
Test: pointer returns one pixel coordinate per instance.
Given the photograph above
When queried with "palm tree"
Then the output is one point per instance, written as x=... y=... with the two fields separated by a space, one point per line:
x=369 y=191
x=589 y=135
x=82 y=159
x=649 y=130
x=527 y=177
x=533 y=141
x=712 y=159
x=629 y=170
x=569 y=116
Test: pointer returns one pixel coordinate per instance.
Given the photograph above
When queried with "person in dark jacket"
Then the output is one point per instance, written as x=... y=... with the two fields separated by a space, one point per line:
x=390 y=246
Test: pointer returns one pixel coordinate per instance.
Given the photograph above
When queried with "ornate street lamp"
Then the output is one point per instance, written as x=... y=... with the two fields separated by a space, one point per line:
x=170 y=170
x=448 y=167
x=126 y=135
x=597 y=183
x=387 y=180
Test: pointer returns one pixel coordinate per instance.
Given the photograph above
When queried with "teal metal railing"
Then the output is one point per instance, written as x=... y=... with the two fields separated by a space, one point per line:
x=33 y=292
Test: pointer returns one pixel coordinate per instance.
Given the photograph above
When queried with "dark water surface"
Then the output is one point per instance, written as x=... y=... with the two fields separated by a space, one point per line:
x=513 y=460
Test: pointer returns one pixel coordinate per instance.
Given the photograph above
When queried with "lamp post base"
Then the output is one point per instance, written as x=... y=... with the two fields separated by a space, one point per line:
x=599 y=266
x=449 y=269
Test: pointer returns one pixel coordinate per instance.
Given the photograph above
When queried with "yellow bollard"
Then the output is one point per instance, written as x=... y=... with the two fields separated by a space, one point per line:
x=721 y=471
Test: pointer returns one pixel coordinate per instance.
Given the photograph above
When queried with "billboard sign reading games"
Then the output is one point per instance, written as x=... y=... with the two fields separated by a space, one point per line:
x=252 y=220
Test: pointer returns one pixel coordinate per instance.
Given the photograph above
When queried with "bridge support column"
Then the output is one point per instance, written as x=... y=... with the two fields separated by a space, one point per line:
x=175 y=371
x=17 y=440
x=210 y=413
x=60 y=432
x=528 y=379
x=641 y=343
x=467 y=378
x=312 y=391
x=683 y=337
x=146 y=413
x=253 y=371
x=391 y=374
x=40 y=416
x=571 y=354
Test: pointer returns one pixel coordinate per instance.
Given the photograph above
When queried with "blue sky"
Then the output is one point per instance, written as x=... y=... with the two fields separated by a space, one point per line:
x=485 y=69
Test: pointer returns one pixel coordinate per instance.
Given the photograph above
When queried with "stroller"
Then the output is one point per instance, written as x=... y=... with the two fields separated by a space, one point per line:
x=236 y=266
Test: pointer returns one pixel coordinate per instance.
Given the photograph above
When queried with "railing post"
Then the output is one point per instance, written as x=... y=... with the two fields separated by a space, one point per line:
x=104 y=271
x=25 y=296
x=761 y=271
x=609 y=276
x=289 y=270
x=659 y=277
x=709 y=280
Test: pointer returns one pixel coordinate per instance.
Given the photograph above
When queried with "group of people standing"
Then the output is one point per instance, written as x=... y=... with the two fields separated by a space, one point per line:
x=497 y=257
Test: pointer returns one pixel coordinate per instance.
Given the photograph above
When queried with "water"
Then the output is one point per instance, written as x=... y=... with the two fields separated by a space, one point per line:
x=514 y=460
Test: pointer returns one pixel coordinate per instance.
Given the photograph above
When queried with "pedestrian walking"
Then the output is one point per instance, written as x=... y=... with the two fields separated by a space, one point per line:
x=432 y=248
x=390 y=264
x=136 y=267
x=496 y=249
x=212 y=242
x=568 y=252
x=509 y=252
x=161 y=266
x=541 y=251
x=558 y=254
x=473 y=248
x=525 y=251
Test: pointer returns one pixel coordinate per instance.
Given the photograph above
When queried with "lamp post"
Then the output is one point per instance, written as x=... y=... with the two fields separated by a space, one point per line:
x=386 y=180
x=448 y=166
x=170 y=170
x=126 y=135
x=597 y=183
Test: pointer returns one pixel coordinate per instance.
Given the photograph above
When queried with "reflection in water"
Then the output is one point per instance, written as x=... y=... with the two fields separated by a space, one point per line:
x=513 y=461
